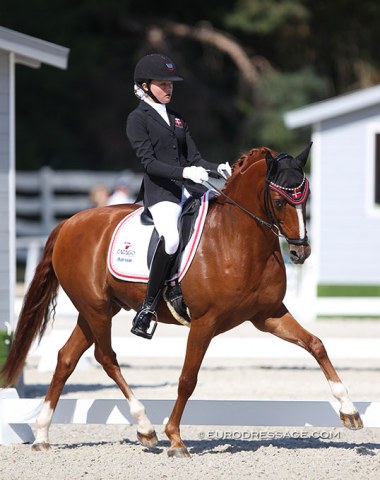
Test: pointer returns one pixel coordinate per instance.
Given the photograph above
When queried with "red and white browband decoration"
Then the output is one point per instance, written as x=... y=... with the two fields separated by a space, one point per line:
x=296 y=195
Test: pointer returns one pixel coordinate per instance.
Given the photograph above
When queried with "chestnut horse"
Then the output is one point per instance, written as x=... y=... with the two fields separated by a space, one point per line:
x=237 y=275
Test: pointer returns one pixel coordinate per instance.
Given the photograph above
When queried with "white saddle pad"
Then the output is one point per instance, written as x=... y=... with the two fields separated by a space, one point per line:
x=127 y=253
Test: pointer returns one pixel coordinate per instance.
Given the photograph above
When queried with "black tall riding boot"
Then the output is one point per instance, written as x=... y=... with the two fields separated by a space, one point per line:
x=158 y=272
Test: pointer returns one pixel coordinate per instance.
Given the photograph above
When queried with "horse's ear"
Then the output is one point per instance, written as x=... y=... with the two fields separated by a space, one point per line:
x=270 y=160
x=302 y=157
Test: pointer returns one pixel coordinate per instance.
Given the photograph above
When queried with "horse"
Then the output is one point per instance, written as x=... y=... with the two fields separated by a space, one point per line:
x=237 y=275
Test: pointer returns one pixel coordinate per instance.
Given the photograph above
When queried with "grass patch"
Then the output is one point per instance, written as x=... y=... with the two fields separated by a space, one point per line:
x=4 y=348
x=348 y=290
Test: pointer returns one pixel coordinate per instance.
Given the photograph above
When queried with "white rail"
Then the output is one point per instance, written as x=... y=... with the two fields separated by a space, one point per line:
x=16 y=414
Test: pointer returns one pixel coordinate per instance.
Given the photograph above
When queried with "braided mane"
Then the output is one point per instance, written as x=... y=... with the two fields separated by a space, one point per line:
x=245 y=161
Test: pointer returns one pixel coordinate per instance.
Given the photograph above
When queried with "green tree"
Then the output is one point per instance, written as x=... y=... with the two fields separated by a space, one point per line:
x=245 y=63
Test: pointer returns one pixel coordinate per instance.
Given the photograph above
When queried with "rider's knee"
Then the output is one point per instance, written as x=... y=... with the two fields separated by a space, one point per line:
x=171 y=243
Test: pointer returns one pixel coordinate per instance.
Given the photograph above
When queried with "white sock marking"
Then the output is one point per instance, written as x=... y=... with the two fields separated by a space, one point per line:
x=340 y=393
x=137 y=410
x=43 y=423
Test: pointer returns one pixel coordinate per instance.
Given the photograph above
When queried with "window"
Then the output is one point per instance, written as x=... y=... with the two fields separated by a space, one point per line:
x=372 y=175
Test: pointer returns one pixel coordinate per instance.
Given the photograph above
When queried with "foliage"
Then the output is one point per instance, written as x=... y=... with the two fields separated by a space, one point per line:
x=277 y=94
x=302 y=51
x=256 y=16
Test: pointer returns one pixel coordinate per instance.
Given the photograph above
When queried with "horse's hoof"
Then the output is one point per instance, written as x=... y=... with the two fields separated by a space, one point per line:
x=149 y=440
x=41 y=447
x=351 y=420
x=178 y=452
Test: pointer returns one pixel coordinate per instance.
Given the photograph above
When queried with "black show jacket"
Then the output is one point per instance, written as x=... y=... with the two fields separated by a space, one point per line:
x=164 y=151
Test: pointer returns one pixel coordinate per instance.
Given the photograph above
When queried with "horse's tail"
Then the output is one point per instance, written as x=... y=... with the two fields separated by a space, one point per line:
x=39 y=304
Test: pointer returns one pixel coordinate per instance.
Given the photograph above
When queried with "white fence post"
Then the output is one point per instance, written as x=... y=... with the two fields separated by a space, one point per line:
x=47 y=196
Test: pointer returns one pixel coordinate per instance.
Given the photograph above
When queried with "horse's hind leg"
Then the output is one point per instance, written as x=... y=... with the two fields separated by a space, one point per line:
x=80 y=340
x=104 y=354
x=286 y=327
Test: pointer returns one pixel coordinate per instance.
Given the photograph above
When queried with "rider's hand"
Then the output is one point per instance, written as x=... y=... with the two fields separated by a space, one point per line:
x=195 y=174
x=224 y=169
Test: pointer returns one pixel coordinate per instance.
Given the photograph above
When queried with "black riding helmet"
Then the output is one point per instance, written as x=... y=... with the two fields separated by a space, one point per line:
x=155 y=66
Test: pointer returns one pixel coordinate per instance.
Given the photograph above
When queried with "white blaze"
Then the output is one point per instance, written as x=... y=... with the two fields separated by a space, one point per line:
x=301 y=223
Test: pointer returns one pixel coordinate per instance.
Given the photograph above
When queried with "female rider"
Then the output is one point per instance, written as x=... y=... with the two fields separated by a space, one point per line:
x=172 y=167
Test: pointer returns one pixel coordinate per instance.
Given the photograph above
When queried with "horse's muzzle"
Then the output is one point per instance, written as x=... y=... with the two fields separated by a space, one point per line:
x=299 y=253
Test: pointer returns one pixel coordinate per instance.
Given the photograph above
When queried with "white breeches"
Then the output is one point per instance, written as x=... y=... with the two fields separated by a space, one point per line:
x=165 y=217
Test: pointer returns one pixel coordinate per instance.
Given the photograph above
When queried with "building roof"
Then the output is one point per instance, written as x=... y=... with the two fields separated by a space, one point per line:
x=33 y=51
x=334 y=107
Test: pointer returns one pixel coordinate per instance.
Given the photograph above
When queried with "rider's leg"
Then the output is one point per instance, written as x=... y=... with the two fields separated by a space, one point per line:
x=165 y=216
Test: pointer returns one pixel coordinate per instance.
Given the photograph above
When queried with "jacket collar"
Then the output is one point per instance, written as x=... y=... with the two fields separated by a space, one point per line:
x=156 y=116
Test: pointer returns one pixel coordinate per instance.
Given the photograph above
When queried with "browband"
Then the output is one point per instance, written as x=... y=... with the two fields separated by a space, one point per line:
x=296 y=195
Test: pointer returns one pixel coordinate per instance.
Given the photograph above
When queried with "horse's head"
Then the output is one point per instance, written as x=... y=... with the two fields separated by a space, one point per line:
x=281 y=180
x=287 y=190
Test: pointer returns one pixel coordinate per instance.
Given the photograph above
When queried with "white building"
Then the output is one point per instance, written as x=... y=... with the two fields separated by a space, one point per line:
x=15 y=48
x=345 y=189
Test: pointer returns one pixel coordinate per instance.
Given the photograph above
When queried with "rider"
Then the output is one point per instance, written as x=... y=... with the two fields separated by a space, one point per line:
x=172 y=167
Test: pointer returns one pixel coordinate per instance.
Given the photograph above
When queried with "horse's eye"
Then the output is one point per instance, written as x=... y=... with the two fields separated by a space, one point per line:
x=279 y=203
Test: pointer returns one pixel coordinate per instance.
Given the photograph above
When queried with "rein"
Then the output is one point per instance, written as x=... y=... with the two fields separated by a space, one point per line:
x=272 y=226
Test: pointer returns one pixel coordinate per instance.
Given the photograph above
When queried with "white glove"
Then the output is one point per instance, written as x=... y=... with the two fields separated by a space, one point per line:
x=195 y=174
x=224 y=169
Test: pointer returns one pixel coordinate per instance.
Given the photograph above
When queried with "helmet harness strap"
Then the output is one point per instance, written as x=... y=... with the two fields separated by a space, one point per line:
x=150 y=93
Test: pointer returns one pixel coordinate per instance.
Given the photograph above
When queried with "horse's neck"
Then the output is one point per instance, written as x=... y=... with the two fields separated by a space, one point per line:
x=243 y=247
x=243 y=228
x=246 y=188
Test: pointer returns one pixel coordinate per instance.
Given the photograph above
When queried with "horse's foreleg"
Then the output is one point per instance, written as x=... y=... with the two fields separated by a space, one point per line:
x=68 y=357
x=197 y=344
x=286 y=327
x=107 y=358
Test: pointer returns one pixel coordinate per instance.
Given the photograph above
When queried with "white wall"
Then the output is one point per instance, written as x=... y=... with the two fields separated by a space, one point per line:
x=348 y=237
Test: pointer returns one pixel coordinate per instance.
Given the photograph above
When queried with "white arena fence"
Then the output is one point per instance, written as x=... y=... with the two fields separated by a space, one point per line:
x=16 y=414
x=46 y=196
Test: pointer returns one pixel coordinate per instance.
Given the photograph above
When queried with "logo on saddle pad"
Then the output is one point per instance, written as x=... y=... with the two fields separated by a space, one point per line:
x=128 y=250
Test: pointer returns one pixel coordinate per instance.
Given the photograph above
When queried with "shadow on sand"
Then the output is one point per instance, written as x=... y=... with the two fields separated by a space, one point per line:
x=222 y=446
